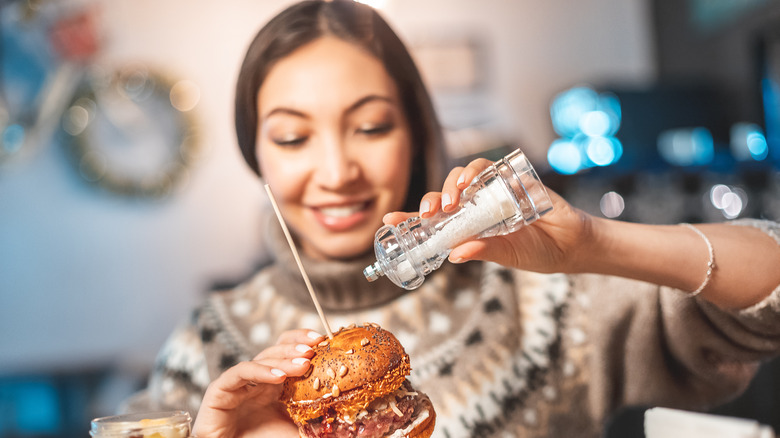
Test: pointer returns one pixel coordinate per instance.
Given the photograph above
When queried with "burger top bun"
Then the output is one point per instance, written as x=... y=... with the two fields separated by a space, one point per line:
x=347 y=372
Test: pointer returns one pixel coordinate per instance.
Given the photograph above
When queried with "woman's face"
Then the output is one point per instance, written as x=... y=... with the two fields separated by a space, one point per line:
x=334 y=145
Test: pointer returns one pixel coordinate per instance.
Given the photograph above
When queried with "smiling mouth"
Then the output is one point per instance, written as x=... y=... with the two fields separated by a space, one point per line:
x=343 y=211
x=344 y=217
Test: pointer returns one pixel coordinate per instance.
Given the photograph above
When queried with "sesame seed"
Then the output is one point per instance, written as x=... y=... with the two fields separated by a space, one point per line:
x=331 y=373
x=342 y=371
x=364 y=342
x=335 y=391
x=350 y=351
x=316 y=383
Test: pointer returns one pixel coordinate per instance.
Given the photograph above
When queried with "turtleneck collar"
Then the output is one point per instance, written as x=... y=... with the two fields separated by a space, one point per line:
x=339 y=284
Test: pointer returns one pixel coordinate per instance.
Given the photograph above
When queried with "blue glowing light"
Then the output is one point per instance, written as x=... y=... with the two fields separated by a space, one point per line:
x=564 y=156
x=12 y=138
x=610 y=104
x=770 y=95
x=748 y=142
x=603 y=151
x=599 y=151
x=686 y=146
x=35 y=408
x=568 y=108
x=595 y=123
x=587 y=122
x=756 y=143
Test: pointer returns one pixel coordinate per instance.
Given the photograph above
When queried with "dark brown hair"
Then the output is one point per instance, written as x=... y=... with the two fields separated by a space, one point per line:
x=358 y=24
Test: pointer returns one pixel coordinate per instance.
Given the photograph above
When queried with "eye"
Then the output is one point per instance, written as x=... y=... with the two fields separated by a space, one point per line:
x=290 y=140
x=374 y=129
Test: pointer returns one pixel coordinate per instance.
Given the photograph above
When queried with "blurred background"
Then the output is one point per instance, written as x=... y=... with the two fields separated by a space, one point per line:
x=124 y=200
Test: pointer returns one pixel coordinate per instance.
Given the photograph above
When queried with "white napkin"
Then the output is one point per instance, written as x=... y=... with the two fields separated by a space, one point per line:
x=672 y=423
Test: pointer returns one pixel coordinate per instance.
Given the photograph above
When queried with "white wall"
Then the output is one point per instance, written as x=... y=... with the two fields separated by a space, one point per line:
x=90 y=278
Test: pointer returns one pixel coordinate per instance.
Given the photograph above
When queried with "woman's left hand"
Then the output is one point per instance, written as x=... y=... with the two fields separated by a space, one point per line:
x=244 y=400
x=554 y=243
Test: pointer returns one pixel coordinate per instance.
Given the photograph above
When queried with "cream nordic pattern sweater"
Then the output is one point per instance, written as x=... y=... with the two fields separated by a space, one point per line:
x=500 y=352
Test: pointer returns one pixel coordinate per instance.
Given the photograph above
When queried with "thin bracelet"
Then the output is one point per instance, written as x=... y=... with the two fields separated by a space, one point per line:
x=710 y=263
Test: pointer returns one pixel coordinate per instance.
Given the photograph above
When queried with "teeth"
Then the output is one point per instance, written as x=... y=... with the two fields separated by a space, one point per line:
x=342 y=211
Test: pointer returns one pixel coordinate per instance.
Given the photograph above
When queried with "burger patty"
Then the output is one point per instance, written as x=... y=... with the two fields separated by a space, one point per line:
x=373 y=423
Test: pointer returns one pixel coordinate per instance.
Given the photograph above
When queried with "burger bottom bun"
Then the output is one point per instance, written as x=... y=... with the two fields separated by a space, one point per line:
x=424 y=429
x=419 y=420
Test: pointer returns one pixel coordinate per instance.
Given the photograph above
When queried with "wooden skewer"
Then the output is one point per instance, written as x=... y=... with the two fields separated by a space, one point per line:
x=298 y=260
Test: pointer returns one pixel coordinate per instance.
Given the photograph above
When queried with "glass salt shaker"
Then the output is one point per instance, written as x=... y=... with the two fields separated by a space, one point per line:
x=503 y=198
x=167 y=424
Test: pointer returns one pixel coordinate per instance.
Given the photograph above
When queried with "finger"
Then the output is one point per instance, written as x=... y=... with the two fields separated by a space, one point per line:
x=492 y=250
x=471 y=171
x=286 y=351
x=430 y=203
x=295 y=366
x=450 y=193
x=249 y=373
x=396 y=217
x=300 y=336
x=458 y=179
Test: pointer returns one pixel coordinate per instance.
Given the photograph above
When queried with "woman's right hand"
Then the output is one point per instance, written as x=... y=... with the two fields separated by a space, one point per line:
x=244 y=400
x=557 y=242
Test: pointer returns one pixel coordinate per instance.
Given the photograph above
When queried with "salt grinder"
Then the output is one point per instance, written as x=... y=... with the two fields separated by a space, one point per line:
x=503 y=198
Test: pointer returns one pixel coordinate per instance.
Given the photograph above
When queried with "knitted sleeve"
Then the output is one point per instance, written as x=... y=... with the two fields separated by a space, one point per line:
x=180 y=375
x=657 y=346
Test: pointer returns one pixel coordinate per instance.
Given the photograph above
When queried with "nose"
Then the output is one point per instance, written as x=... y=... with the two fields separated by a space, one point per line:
x=337 y=167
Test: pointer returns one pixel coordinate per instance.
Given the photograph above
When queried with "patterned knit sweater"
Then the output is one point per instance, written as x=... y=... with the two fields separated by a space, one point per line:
x=500 y=352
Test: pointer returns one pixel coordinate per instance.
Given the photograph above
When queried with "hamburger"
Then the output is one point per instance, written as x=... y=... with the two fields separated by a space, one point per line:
x=357 y=387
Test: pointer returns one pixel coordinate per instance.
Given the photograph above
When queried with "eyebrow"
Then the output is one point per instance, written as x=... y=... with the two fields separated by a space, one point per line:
x=283 y=110
x=360 y=102
x=370 y=98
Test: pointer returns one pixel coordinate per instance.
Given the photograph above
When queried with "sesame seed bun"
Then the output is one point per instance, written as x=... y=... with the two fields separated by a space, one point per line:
x=357 y=382
x=364 y=363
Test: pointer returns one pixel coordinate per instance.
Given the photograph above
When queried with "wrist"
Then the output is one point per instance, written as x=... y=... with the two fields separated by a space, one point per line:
x=591 y=244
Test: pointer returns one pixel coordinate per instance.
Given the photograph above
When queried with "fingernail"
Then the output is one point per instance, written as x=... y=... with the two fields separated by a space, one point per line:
x=457 y=260
x=461 y=180
x=446 y=200
x=300 y=361
x=314 y=335
x=302 y=348
x=384 y=218
x=277 y=372
x=425 y=207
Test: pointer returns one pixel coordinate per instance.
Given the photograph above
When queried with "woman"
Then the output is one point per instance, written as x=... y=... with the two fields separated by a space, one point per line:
x=331 y=111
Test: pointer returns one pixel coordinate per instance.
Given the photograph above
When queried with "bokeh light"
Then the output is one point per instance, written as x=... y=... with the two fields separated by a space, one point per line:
x=612 y=204
x=569 y=107
x=586 y=122
x=748 y=142
x=12 y=138
x=595 y=123
x=564 y=157
x=603 y=151
x=686 y=146
x=185 y=95
x=731 y=201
